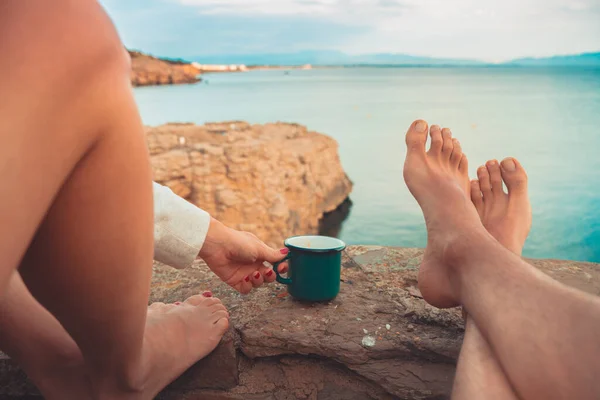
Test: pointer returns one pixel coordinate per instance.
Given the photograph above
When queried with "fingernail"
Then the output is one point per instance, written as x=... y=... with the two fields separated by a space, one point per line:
x=247 y=279
x=257 y=275
x=285 y=250
x=269 y=273
x=420 y=126
x=177 y=303
x=207 y=294
x=509 y=165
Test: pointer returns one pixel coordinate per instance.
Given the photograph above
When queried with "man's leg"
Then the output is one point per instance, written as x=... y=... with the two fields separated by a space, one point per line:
x=77 y=200
x=544 y=334
x=508 y=218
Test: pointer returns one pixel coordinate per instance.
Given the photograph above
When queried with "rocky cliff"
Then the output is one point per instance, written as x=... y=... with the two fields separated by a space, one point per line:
x=148 y=70
x=274 y=180
x=377 y=340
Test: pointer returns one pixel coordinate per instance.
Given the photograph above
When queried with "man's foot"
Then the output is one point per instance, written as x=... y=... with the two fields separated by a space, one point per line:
x=178 y=335
x=438 y=179
x=507 y=217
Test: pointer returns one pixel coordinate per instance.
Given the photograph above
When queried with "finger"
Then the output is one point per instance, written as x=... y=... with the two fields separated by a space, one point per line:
x=257 y=279
x=283 y=268
x=268 y=274
x=271 y=255
x=244 y=286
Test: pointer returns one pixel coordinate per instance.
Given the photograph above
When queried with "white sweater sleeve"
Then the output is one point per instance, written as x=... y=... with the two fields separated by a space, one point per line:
x=180 y=228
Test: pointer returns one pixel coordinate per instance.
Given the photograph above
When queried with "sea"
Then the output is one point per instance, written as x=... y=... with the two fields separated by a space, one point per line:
x=548 y=118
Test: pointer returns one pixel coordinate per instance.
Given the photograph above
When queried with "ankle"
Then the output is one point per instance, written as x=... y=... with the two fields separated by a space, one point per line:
x=460 y=253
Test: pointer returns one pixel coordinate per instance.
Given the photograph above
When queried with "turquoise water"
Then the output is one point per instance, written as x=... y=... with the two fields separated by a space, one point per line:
x=547 y=118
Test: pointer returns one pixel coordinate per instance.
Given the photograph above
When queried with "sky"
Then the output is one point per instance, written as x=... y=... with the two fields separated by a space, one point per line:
x=489 y=30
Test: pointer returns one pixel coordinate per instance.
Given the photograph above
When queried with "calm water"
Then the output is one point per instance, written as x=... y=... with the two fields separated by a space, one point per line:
x=547 y=118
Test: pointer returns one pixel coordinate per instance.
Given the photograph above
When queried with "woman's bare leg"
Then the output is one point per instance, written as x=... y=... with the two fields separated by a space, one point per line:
x=77 y=199
x=41 y=346
x=544 y=334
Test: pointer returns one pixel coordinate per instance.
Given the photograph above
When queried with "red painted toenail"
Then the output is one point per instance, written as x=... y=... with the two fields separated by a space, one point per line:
x=284 y=250
x=247 y=279
x=177 y=303
x=257 y=275
x=270 y=273
x=207 y=294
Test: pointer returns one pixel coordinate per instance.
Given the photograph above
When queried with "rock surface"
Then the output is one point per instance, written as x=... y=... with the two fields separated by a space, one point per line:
x=279 y=348
x=274 y=180
x=148 y=70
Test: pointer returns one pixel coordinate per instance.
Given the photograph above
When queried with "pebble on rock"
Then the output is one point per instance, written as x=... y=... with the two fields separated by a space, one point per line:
x=368 y=341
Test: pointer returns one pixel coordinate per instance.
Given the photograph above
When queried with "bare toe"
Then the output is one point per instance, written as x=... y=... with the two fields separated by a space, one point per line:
x=476 y=196
x=435 y=132
x=200 y=299
x=514 y=176
x=416 y=137
x=217 y=307
x=484 y=183
x=456 y=156
x=448 y=145
x=155 y=306
x=495 y=177
x=222 y=325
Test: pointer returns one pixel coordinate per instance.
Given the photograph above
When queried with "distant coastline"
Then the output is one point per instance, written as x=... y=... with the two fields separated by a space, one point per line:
x=150 y=70
x=319 y=59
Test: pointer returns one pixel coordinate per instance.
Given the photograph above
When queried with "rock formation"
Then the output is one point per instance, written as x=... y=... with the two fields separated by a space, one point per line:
x=274 y=180
x=377 y=340
x=147 y=70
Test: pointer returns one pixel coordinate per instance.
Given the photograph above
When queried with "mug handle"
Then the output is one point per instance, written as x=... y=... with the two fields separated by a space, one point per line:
x=281 y=279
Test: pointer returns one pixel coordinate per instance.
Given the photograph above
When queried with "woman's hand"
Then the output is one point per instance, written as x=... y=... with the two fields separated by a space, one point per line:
x=237 y=257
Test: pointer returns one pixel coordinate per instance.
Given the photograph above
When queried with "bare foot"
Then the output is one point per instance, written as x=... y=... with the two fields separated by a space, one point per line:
x=507 y=217
x=176 y=337
x=438 y=179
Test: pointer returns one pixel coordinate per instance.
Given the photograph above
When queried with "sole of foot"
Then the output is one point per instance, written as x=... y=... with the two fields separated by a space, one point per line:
x=506 y=216
x=438 y=179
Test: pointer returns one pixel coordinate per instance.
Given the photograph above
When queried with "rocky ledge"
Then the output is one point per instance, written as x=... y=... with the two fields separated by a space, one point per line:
x=274 y=180
x=148 y=70
x=377 y=340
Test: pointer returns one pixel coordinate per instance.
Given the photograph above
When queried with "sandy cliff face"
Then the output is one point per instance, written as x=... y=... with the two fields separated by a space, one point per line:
x=274 y=180
x=147 y=70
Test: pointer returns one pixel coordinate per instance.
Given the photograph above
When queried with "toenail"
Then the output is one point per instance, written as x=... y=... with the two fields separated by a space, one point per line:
x=257 y=275
x=207 y=294
x=509 y=165
x=177 y=303
x=269 y=273
x=492 y=162
x=247 y=279
x=421 y=126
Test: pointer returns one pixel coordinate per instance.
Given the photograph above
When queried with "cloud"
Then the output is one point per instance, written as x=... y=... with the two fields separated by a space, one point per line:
x=335 y=9
x=483 y=29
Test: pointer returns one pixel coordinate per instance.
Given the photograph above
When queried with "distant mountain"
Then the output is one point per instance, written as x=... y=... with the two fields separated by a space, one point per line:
x=585 y=59
x=337 y=58
x=333 y=58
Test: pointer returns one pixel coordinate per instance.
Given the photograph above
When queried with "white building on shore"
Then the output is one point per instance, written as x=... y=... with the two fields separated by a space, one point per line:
x=220 y=68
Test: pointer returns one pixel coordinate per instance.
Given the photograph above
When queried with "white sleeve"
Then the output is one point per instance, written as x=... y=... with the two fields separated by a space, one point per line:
x=180 y=228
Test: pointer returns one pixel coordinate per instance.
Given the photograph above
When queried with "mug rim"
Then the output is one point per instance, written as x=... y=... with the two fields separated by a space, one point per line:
x=339 y=248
